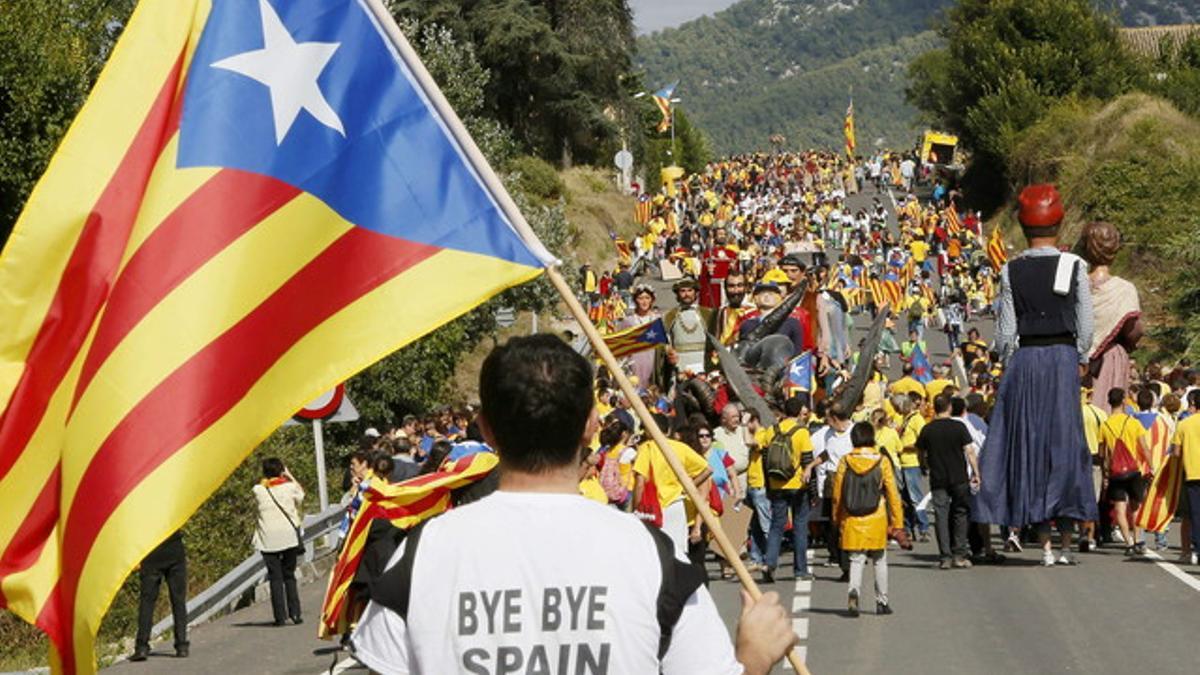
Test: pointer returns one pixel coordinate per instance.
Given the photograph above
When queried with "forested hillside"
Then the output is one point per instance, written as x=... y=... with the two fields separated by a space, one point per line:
x=787 y=66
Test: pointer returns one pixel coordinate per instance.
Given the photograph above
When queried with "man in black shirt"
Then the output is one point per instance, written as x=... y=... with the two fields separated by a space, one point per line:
x=945 y=448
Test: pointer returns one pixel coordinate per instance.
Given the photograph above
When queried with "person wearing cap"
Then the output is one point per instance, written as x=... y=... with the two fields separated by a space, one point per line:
x=1043 y=336
x=769 y=354
x=686 y=326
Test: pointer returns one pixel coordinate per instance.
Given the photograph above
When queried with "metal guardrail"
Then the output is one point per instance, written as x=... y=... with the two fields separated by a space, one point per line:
x=228 y=590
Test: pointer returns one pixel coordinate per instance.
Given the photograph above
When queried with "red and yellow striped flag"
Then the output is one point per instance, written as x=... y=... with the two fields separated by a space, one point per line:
x=1158 y=509
x=953 y=224
x=636 y=339
x=996 y=252
x=405 y=504
x=206 y=253
x=641 y=210
x=848 y=130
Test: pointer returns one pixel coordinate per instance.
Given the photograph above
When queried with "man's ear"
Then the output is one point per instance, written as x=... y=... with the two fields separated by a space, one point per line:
x=485 y=430
x=590 y=429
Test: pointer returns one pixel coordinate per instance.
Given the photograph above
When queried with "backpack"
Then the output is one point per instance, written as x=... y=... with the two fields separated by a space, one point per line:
x=861 y=492
x=778 y=457
x=610 y=480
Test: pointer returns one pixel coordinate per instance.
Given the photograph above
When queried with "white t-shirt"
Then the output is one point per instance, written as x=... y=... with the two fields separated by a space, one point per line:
x=538 y=582
x=734 y=442
x=835 y=445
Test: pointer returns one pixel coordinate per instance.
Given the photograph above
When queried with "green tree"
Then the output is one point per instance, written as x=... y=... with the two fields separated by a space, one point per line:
x=558 y=67
x=50 y=59
x=1005 y=63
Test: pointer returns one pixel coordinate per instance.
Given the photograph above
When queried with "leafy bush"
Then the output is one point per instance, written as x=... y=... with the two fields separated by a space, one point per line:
x=536 y=178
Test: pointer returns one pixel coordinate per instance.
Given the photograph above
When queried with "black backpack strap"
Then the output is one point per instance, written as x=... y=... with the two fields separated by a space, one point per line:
x=679 y=581
x=392 y=589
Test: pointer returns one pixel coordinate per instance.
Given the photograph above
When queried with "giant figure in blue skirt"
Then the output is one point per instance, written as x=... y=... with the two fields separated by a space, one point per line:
x=1035 y=464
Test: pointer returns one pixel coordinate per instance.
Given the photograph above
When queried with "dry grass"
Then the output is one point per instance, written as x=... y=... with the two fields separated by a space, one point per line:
x=594 y=208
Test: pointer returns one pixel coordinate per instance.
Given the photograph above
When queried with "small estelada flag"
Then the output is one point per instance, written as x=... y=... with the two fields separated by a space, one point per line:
x=636 y=339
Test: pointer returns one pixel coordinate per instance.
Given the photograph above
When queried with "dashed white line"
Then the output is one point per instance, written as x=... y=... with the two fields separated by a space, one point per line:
x=342 y=666
x=801 y=602
x=1174 y=570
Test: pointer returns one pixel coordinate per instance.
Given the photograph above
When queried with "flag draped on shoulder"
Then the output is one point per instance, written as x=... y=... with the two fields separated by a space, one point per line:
x=848 y=130
x=258 y=199
x=662 y=99
x=636 y=339
x=404 y=505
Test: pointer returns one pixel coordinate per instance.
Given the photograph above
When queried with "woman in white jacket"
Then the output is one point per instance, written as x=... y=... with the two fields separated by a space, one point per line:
x=277 y=536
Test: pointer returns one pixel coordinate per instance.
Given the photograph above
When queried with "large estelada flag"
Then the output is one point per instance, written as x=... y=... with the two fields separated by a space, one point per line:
x=259 y=199
x=636 y=339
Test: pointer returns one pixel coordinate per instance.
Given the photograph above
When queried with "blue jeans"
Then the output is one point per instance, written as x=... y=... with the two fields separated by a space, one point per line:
x=781 y=501
x=760 y=522
x=912 y=488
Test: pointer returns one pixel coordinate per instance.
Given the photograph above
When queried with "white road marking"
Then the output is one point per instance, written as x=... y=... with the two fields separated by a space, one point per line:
x=801 y=602
x=1174 y=570
x=343 y=666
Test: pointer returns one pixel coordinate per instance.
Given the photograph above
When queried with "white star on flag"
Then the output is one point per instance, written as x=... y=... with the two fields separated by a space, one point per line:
x=290 y=71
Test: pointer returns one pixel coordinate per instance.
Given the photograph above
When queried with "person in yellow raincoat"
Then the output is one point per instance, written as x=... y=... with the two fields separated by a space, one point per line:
x=865 y=532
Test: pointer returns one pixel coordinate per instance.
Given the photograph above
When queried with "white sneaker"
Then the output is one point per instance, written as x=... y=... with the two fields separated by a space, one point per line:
x=1047 y=559
x=1117 y=536
x=1195 y=559
x=1065 y=559
x=1012 y=544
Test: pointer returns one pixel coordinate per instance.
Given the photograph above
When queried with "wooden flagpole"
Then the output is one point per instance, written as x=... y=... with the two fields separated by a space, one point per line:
x=728 y=550
x=488 y=176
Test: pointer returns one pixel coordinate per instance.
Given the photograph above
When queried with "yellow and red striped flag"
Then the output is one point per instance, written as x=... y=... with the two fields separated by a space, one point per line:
x=662 y=99
x=953 y=224
x=405 y=505
x=641 y=210
x=250 y=196
x=636 y=339
x=848 y=130
x=624 y=251
x=1158 y=509
x=996 y=252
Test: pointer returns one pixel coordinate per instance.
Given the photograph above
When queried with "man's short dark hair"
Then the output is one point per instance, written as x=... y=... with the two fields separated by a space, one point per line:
x=795 y=405
x=958 y=406
x=1193 y=398
x=907 y=369
x=272 y=467
x=536 y=395
x=1145 y=399
x=941 y=404
x=838 y=411
x=1116 y=396
x=862 y=435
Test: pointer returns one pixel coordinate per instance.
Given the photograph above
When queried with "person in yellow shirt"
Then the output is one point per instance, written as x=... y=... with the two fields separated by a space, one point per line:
x=756 y=497
x=1093 y=418
x=1186 y=443
x=908 y=384
x=919 y=250
x=1126 y=459
x=789 y=494
x=589 y=482
x=916 y=522
x=886 y=437
x=650 y=465
x=939 y=383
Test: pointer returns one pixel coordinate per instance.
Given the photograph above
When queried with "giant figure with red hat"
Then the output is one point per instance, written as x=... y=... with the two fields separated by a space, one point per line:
x=1035 y=464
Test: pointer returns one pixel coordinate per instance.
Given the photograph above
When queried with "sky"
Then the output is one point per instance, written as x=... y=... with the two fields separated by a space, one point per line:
x=651 y=15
